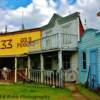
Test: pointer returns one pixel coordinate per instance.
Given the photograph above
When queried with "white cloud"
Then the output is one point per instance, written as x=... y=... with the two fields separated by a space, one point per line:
x=45 y=10
x=39 y=13
x=52 y=3
x=87 y=11
x=34 y=15
x=40 y=3
x=63 y=1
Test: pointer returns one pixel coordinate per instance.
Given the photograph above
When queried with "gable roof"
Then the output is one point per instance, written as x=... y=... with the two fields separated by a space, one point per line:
x=52 y=20
x=60 y=19
x=69 y=17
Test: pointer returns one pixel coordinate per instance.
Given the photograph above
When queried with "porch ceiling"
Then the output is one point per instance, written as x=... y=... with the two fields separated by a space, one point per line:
x=53 y=50
x=7 y=56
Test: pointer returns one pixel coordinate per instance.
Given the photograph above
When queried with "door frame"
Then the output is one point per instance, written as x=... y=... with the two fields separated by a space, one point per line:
x=96 y=68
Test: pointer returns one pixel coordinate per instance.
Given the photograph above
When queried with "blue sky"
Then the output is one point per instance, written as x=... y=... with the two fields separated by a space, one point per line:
x=14 y=4
x=38 y=12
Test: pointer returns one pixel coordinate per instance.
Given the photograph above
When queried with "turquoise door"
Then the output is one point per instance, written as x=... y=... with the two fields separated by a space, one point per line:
x=93 y=69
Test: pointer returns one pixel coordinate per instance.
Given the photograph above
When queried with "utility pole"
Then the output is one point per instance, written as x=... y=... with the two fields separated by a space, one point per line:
x=23 y=20
x=6 y=28
x=85 y=24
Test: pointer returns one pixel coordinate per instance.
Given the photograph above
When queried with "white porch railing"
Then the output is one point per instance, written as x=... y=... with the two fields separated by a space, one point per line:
x=53 y=78
x=50 y=42
x=69 y=40
x=59 y=40
x=50 y=77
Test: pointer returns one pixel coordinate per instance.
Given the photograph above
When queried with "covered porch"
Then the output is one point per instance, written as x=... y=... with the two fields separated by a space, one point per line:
x=13 y=69
x=54 y=67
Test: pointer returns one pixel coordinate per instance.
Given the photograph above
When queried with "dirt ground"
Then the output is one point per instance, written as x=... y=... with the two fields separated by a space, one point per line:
x=75 y=92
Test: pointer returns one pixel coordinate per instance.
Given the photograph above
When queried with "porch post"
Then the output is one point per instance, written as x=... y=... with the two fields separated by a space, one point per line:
x=42 y=66
x=60 y=60
x=60 y=68
x=29 y=67
x=15 y=69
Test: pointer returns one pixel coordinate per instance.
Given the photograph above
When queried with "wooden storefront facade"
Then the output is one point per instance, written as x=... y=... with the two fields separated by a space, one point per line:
x=14 y=48
x=48 y=54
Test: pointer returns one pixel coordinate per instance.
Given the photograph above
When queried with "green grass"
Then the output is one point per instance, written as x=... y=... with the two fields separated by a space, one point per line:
x=41 y=92
x=87 y=93
x=33 y=92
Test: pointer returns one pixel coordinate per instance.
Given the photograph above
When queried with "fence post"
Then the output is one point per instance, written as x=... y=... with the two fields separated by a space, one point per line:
x=29 y=67
x=15 y=69
x=54 y=77
x=61 y=78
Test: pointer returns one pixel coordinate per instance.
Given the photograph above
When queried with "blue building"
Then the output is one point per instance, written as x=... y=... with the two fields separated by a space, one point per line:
x=89 y=58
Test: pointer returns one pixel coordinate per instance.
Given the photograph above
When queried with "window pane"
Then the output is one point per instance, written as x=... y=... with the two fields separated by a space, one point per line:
x=84 y=64
x=84 y=56
x=84 y=60
x=66 y=62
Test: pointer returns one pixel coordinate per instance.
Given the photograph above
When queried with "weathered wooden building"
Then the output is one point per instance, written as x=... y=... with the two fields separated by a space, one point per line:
x=48 y=53
x=59 y=43
x=89 y=56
